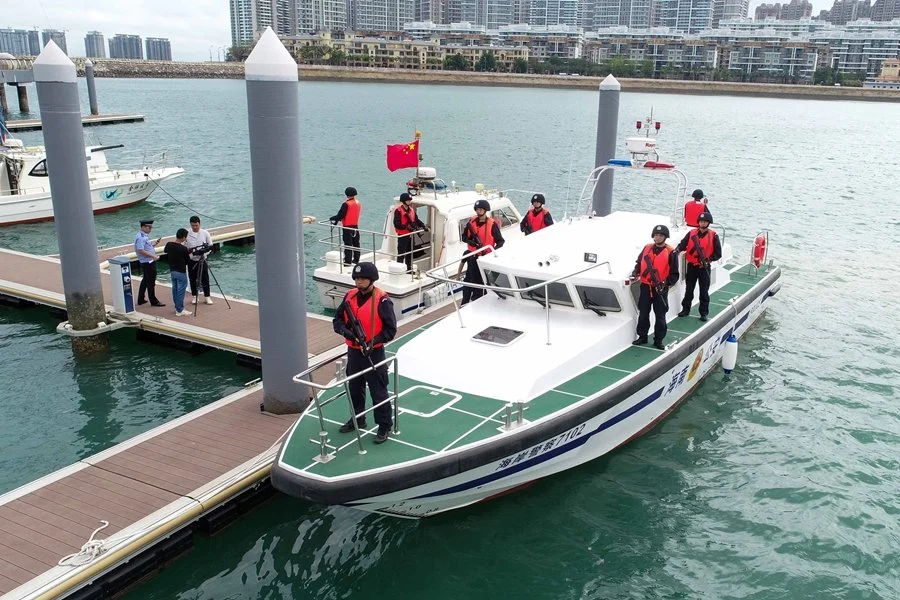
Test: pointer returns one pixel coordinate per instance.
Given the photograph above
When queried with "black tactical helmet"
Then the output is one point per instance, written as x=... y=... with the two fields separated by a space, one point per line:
x=660 y=229
x=365 y=270
x=405 y=197
x=538 y=198
x=705 y=216
x=698 y=194
x=483 y=204
x=350 y=192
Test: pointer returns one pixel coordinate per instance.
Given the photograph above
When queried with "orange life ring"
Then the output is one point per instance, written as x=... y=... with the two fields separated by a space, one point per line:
x=760 y=247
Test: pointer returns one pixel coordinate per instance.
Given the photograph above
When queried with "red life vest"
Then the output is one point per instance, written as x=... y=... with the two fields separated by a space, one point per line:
x=485 y=231
x=536 y=222
x=407 y=218
x=351 y=219
x=367 y=315
x=660 y=262
x=692 y=210
x=706 y=243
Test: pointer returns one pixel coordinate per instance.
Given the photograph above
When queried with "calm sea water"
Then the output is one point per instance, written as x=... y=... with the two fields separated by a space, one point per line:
x=780 y=481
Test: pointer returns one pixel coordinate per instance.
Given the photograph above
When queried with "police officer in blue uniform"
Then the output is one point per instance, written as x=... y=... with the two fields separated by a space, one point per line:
x=147 y=256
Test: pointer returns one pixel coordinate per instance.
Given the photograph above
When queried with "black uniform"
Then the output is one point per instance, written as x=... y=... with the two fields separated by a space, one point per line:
x=357 y=361
x=349 y=236
x=473 y=273
x=652 y=298
x=694 y=273
x=405 y=243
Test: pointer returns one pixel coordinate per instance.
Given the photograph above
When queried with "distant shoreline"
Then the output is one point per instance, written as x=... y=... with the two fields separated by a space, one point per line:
x=221 y=70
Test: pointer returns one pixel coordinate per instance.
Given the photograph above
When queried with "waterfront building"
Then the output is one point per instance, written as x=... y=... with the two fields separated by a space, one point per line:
x=800 y=28
x=249 y=18
x=859 y=48
x=543 y=43
x=690 y=16
x=58 y=37
x=889 y=79
x=454 y=34
x=379 y=15
x=15 y=42
x=729 y=9
x=123 y=45
x=549 y=13
x=94 y=45
x=158 y=49
x=634 y=14
x=321 y=15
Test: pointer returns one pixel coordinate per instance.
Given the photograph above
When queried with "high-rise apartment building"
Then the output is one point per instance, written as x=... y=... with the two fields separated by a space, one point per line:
x=380 y=15
x=729 y=9
x=15 y=42
x=249 y=18
x=34 y=42
x=123 y=45
x=94 y=45
x=886 y=10
x=429 y=11
x=635 y=14
x=58 y=37
x=845 y=11
x=689 y=16
x=546 y=13
x=321 y=15
x=796 y=9
x=158 y=49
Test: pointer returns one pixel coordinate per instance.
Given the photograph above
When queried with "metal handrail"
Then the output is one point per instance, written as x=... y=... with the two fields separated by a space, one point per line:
x=338 y=243
x=510 y=290
x=594 y=176
x=338 y=381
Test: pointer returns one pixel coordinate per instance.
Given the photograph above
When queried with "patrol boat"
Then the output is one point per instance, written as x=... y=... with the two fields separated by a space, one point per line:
x=538 y=376
x=445 y=210
x=25 y=186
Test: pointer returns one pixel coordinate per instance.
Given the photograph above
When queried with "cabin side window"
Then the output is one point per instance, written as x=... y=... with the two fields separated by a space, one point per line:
x=504 y=217
x=497 y=279
x=598 y=298
x=40 y=169
x=558 y=292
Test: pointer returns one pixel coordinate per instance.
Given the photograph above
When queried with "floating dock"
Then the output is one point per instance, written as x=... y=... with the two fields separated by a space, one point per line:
x=87 y=121
x=155 y=490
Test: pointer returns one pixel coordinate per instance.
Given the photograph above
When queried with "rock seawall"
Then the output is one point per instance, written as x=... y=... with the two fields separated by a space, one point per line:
x=222 y=70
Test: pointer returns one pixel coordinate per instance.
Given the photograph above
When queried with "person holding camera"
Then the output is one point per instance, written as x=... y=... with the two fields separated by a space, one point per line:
x=366 y=320
x=480 y=231
x=198 y=271
x=657 y=267
x=145 y=248
x=179 y=257
x=406 y=221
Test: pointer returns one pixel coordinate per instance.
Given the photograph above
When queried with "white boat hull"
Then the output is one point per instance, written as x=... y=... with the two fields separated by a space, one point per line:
x=106 y=196
x=583 y=442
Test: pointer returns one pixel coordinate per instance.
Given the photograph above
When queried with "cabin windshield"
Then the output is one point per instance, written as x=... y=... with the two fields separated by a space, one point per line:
x=558 y=292
x=598 y=298
x=39 y=170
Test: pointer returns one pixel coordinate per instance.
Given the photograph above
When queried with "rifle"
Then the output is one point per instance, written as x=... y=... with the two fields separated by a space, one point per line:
x=658 y=286
x=527 y=229
x=359 y=335
x=704 y=261
x=472 y=237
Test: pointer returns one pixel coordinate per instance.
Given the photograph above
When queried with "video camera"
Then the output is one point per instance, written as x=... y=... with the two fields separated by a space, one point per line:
x=201 y=250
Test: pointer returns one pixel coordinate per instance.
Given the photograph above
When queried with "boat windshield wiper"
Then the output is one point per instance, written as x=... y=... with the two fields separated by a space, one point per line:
x=591 y=305
x=539 y=298
x=502 y=295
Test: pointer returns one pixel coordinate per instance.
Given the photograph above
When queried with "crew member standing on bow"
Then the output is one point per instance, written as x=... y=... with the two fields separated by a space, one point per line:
x=145 y=248
x=406 y=221
x=480 y=231
x=538 y=217
x=692 y=209
x=702 y=247
x=366 y=320
x=348 y=215
x=657 y=267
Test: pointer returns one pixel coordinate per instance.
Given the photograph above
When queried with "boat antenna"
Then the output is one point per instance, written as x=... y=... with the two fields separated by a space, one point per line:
x=569 y=182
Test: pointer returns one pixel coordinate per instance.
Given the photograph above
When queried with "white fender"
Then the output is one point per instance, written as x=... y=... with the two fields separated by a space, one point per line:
x=729 y=357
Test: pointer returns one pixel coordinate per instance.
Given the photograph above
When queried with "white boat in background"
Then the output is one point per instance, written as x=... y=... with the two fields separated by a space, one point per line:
x=25 y=186
x=445 y=210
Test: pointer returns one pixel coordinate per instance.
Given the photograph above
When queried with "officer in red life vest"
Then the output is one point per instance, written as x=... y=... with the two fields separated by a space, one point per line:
x=657 y=267
x=406 y=221
x=694 y=207
x=348 y=215
x=480 y=231
x=697 y=267
x=537 y=218
x=366 y=320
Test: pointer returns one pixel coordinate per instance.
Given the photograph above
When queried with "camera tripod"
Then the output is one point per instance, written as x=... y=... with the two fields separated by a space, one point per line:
x=198 y=280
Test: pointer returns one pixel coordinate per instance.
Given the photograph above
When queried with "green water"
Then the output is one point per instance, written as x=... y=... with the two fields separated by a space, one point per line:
x=780 y=481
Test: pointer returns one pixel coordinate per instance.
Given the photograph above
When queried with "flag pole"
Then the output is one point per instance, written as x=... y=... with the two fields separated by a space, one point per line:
x=418 y=156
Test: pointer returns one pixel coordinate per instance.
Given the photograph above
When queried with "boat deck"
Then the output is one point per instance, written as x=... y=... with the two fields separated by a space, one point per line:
x=438 y=420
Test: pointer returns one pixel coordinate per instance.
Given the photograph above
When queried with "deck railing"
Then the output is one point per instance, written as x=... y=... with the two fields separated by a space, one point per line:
x=341 y=379
x=505 y=290
x=335 y=241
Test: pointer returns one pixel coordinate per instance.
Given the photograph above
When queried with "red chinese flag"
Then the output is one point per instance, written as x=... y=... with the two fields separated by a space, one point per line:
x=402 y=156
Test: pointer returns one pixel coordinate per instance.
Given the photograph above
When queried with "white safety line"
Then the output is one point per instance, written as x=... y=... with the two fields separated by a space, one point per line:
x=568 y=393
x=615 y=369
x=476 y=415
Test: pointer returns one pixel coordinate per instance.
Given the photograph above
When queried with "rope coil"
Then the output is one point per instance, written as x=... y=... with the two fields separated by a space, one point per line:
x=89 y=551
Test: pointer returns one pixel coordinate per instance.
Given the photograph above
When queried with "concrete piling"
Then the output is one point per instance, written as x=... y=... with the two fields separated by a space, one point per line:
x=4 y=105
x=57 y=91
x=22 y=92
x=273 y=112
x=607 y=125
x=91 y=87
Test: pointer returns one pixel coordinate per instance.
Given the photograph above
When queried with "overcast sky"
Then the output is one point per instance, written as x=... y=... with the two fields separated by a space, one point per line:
x=196 y=28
